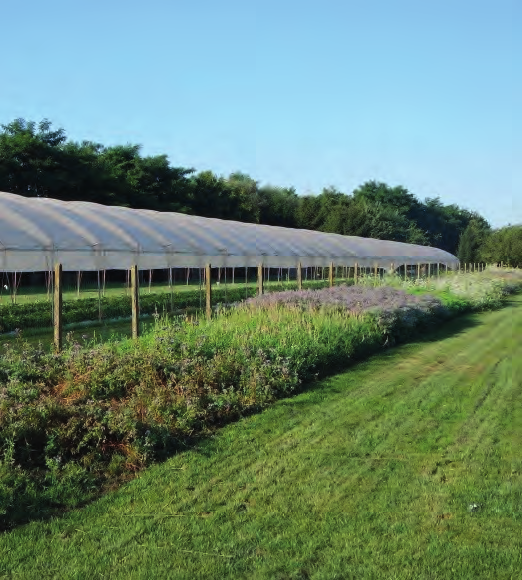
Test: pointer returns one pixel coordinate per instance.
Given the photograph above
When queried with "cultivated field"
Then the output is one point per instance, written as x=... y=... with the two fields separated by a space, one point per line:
x=406 y=466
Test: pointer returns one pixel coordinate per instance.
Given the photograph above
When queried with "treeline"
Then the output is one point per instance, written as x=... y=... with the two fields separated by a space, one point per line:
x=38 y=160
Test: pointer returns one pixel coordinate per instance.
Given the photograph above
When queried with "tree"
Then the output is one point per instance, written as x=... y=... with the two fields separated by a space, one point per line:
x=503 y=245
x=243 y=190
x=29 y=157
x=278 y=206
x=470 y=242
x=380 y=193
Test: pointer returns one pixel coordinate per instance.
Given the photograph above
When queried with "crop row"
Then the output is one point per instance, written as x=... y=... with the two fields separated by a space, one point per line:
x=96 y=412
x=39 y=314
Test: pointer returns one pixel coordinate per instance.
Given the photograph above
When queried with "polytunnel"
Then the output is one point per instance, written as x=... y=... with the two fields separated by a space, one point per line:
x=36 y=233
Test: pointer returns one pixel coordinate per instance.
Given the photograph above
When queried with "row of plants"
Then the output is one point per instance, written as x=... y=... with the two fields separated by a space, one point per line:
x=94 y=414
x=484 y=289
x=39 y=314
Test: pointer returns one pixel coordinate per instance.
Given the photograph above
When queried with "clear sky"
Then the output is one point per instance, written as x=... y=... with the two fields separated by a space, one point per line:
x=425 y=94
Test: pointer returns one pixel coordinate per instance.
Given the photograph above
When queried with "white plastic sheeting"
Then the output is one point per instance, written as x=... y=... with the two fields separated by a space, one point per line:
x=36 y=233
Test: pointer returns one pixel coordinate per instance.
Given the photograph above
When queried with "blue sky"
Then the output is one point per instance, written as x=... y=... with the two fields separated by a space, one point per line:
x=295 y=93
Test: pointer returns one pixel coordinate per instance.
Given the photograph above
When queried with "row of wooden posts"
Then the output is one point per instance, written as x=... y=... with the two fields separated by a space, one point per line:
x=134 y=290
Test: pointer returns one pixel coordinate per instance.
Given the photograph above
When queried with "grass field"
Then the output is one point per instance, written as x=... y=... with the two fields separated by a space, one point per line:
x=370 y=474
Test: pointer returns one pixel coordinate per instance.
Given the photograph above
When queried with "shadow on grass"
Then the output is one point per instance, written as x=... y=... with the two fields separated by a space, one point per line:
x=204 y=443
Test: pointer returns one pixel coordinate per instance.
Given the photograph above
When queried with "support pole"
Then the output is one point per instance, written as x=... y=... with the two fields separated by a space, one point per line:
x=170 y=288
x=299 y=274
x=13 y=289
x=58 y=307
x=331 y=275
x=135 y=292
x=208 y=284
x=355 y=273
x=418 y=270
x=260 y=288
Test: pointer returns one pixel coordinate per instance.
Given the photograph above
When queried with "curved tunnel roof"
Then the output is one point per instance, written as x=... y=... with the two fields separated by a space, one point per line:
x=36 y=233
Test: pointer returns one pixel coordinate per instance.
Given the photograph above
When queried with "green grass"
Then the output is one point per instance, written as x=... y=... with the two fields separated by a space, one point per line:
x=29 y=294
x=368 y=474
x=98 y=333
x=36 y=320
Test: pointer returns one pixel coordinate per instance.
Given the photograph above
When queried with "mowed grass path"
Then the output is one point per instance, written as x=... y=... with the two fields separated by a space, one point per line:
x=369 y=474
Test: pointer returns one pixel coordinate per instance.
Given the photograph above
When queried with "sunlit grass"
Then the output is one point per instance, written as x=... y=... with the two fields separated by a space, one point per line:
x=373 y=473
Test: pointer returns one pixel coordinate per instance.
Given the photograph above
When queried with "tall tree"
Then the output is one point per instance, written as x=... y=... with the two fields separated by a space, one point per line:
x=244 y=192
x=470 y=242
x=29 y=157
x=503 y=245
x=278 y=206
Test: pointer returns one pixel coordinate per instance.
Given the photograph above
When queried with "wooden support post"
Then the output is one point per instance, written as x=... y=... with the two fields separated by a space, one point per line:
x=208 y=285
x=438 y=269
x=299 y=276
x=331 y=275
x=418 y=270
x=170 y=289
x=355 y=272
x=58 y=307
x=375 y=273
x=99 y=298
x=135 y=300
x=260 y=288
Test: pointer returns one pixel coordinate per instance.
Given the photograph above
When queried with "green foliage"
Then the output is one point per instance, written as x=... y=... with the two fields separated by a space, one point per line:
x=37 y=161
x=38 y=314
x=504 y=245
x=471 y=241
